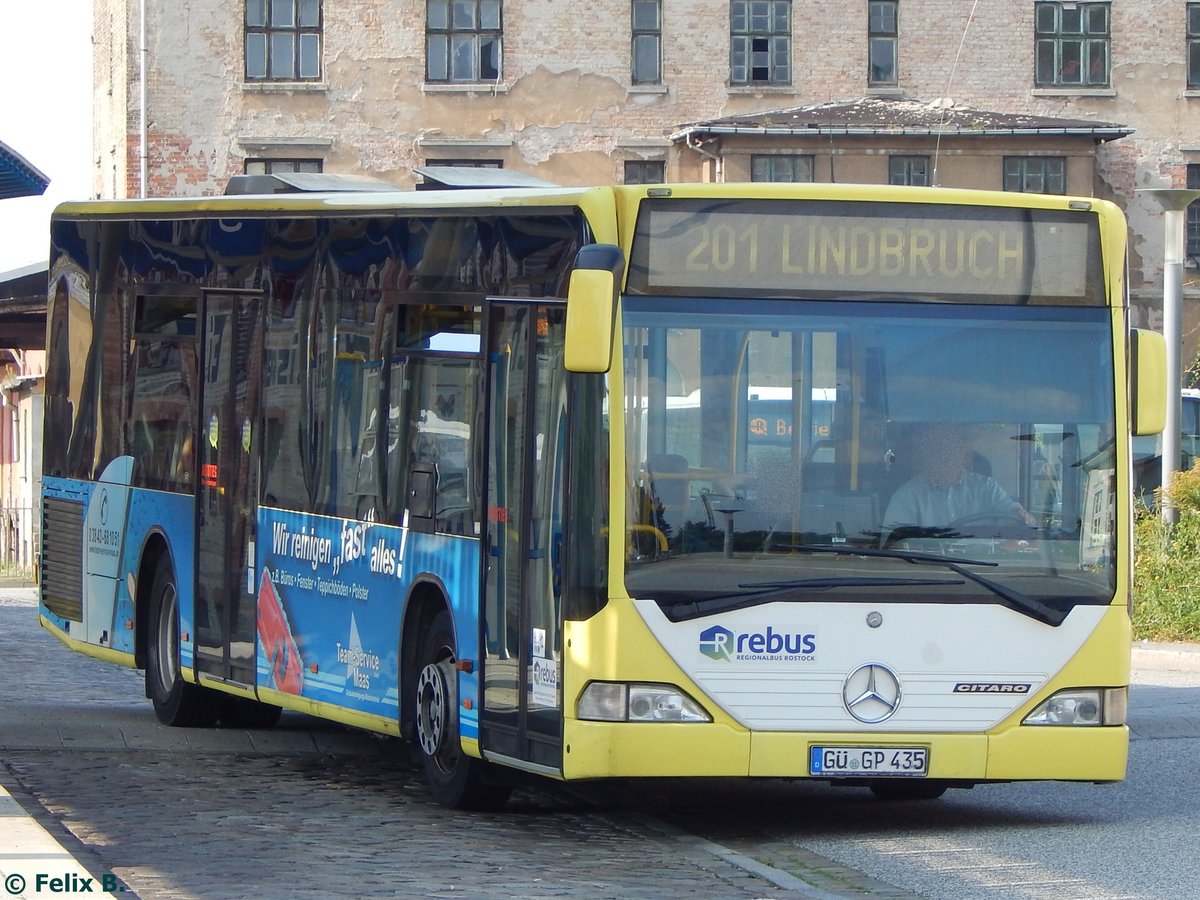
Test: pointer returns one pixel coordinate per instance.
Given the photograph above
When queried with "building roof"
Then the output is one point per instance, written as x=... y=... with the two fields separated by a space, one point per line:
x=18 y=178
x=891 y=116
x=23 y=308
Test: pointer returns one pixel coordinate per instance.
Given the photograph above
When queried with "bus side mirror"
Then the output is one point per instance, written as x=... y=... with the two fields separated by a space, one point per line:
x=591 y=308
x=1148 y=381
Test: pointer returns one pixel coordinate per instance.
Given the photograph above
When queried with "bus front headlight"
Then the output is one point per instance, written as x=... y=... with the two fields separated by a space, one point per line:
x=1088 y=706
x=612 y=701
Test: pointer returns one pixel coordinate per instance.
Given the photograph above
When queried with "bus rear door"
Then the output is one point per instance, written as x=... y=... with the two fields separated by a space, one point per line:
x=227 y=486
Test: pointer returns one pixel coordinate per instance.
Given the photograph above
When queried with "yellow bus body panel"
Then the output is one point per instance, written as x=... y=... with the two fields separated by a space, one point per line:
x=616 y=647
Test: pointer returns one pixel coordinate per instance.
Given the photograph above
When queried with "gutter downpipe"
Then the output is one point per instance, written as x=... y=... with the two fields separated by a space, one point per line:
x=18 y=357
x=718 y=162
x=144 y=161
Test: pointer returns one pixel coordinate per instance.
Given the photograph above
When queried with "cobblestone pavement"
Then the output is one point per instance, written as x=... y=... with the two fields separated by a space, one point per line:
x=312 y=809
x=308 y=809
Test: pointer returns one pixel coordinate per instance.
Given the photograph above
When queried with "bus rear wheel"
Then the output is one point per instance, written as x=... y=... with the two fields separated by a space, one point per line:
x=455 y=779
x=175 y=701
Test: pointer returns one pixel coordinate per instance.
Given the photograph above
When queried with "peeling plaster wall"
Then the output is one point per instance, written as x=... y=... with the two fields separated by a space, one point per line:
x=565 y=109
x=112 y=44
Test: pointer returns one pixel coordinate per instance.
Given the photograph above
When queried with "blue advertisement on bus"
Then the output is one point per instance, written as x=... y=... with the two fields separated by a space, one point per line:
x=331 y=598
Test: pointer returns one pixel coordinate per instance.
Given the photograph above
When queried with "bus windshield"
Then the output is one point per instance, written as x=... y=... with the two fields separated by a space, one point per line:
x=872 y=450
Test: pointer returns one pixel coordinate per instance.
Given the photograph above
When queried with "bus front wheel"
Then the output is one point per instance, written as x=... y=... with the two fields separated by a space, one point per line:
x=455 y=779
x=175 y=701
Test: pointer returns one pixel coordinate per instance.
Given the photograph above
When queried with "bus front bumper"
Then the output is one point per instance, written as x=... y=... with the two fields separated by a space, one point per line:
x=1020 y=753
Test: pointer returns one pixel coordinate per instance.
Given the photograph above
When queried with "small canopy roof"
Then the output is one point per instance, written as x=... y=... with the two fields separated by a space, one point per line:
x=888 y=116
x=18 y=178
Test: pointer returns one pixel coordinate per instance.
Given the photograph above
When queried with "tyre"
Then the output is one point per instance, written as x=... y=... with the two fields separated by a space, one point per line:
x=455 y=779
x=175 y=701
x=242 y=712
x=908 y=790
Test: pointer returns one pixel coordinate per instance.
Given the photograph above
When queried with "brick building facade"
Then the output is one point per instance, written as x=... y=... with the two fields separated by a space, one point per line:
x=620 y=90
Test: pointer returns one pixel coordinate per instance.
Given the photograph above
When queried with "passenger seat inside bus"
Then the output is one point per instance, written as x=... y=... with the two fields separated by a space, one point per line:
x=670 y=490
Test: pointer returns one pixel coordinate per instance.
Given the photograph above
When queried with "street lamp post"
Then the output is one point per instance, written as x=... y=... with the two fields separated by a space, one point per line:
x=1175 y=202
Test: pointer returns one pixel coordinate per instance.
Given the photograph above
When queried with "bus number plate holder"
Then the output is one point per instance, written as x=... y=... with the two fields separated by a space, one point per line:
x=875 y=762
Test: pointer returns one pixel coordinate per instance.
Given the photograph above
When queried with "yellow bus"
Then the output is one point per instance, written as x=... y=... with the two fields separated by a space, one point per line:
x=802 y=481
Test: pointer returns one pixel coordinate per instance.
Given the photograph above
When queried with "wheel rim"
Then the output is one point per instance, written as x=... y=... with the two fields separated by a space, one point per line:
x=433 y=714
x=167 y=638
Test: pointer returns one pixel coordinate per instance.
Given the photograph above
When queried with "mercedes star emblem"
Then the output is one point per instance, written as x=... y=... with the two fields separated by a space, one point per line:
x=871 y=693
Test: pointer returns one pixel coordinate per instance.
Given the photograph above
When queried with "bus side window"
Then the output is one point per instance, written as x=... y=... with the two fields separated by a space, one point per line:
x=162 y=410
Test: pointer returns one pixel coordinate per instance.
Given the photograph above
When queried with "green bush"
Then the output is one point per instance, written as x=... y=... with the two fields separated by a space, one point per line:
x=1166 y=567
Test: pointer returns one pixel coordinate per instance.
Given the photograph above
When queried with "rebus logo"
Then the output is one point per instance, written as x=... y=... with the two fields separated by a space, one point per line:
x=716 y=642
x=767 y=645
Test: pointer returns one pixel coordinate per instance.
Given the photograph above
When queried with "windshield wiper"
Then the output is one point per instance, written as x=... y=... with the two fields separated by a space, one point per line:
x=856 y=581
x=764 y=591
x=1013 y=599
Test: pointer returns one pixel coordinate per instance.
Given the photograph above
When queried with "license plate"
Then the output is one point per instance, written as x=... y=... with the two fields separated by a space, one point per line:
x=910 y=762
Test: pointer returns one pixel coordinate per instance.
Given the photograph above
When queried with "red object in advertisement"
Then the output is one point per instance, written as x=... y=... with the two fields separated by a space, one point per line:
x=275 y=636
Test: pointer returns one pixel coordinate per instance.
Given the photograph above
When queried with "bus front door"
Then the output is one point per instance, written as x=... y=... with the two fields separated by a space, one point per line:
x=522 y=659
x=225 y=623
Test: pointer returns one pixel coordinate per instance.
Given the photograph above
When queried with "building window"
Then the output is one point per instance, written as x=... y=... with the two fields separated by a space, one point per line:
x=908 y=170
x=646 y=58
x=1035 y=174
x=1193 y=45
x=462 y=40
x=1072 y=44
x=781 y=168
x=1193 y=214
x=467 y=163
x=760 y=42
x=881 y=41
x=645 y=171
x=283 y=40
x=281 y=166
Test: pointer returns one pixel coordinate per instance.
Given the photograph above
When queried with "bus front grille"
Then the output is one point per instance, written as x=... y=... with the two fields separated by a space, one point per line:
x=62 y=558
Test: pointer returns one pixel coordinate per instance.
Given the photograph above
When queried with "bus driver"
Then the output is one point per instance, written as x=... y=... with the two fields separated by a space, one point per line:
x=945 y=490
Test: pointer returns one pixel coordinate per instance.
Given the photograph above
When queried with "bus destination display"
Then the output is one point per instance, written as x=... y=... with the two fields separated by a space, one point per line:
x=996 y=255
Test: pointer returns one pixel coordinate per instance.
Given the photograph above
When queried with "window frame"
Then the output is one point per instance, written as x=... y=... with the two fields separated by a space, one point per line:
x=1053 y=36
x=275 y=166
x=744 y=33
x=1192 y=30
x=878 y=35
x=773 y=161
x=486 y=29
x=902 y=164
x=1192 y=227
x=643 y=166
x=641 y=34
x=259 y=26
x=1019 y=167
x=462 y=162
